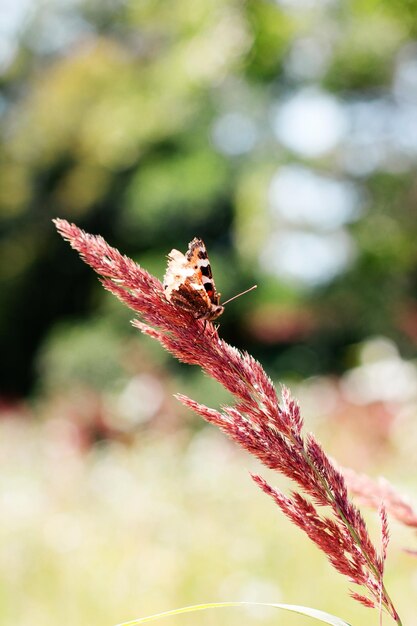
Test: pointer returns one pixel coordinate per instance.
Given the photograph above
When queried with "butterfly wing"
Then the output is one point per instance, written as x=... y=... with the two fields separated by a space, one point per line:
x=189 y=284
x=198 y=258
x=183 y=286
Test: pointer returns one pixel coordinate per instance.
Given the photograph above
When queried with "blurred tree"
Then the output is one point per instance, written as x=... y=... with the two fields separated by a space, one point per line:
x=284 y=133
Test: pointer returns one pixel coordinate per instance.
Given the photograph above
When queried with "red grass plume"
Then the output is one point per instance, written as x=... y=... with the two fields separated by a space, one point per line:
x=268 y=429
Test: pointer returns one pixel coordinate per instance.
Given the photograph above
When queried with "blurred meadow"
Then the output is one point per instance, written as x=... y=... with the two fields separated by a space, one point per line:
x=284 y=133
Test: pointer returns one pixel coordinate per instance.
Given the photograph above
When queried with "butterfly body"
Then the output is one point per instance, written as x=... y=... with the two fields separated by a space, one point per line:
x=189 y=283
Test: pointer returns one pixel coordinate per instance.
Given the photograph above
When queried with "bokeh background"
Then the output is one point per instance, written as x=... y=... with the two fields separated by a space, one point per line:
x=285 y=134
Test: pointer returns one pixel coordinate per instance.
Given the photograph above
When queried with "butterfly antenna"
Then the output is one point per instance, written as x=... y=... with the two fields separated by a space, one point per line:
x=240 y=294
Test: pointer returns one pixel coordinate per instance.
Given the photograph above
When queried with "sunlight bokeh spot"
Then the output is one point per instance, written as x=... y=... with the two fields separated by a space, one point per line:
x=302 y=196
x=308 y=58
x=306 y=257
x=405 y=78
x=234 y=133
x=311 y=122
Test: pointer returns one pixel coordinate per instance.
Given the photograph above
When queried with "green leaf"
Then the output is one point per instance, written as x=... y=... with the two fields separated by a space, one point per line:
x=326 y=618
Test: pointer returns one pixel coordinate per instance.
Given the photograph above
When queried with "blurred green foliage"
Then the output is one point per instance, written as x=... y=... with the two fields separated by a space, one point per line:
x=152 y=122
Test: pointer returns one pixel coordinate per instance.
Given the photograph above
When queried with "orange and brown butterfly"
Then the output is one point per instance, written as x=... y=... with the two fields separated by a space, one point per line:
x=189 y=283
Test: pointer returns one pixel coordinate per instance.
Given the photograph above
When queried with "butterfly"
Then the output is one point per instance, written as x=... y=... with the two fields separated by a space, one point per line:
x=189 y=284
